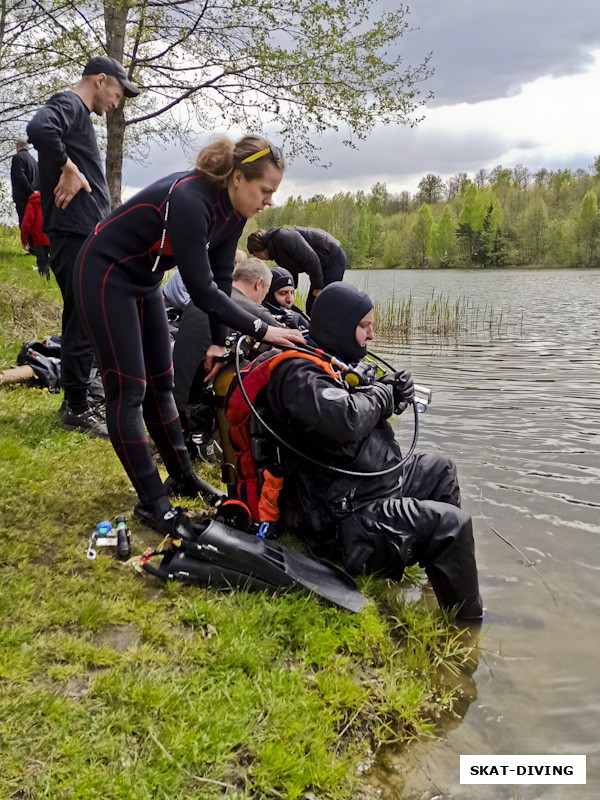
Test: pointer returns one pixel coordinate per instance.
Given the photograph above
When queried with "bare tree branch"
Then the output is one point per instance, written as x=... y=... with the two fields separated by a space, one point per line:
x=299 y=65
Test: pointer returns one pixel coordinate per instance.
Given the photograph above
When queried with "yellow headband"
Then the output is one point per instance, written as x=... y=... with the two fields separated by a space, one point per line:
x=256 y=156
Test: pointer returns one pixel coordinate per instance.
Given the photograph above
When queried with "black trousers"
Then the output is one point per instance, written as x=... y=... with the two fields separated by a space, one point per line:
x=334 y=272
x=42 y=257
x=123 y=310
x=191 y=343
x=76 y=352
x=20 y=206
x=424 y=524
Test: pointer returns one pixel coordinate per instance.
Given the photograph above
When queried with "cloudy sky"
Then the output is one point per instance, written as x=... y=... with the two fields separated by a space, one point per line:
x=515 y=81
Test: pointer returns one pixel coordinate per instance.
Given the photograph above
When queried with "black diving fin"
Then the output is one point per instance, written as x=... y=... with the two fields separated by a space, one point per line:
x=222 y=557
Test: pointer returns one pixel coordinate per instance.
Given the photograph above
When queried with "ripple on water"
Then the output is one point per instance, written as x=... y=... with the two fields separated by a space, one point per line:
x=520 y=413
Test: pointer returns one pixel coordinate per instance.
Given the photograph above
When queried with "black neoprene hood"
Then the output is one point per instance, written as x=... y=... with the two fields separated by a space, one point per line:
x=335 y=315
x=281 y=277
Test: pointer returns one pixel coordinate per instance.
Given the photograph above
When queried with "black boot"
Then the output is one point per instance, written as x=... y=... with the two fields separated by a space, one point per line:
x=190 y=485
x=173 y=522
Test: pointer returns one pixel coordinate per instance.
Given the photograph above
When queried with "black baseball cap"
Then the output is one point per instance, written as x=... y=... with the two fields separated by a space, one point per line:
x=110 y=66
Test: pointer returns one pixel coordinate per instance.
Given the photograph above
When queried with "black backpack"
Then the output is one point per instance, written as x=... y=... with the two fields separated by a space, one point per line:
x=44 y=360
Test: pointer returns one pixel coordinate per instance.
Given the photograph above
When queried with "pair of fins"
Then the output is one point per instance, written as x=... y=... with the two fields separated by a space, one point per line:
x=222 y=557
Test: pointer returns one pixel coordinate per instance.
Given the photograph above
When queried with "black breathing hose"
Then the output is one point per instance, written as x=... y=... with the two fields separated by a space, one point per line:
x=291 y=448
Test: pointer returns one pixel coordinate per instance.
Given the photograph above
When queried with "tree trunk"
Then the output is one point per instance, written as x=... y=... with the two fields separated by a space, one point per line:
x=115 y=137
x=115 y=20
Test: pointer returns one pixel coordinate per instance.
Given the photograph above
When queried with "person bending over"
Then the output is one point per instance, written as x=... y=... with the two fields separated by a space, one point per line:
x=309 y=250
x=279 y=300
x=193 y=219
x=371 y=525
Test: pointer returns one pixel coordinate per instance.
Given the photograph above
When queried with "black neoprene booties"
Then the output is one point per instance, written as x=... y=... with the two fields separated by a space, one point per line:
x=335 y=314
x=173 y=522
x=281 y=277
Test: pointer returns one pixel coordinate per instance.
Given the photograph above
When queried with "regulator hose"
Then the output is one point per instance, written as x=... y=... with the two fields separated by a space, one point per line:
x=338 y=470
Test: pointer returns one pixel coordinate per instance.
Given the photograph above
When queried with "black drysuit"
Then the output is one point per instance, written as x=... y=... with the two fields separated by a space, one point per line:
x=120 y=300
x=370 y=525
x=309 y=250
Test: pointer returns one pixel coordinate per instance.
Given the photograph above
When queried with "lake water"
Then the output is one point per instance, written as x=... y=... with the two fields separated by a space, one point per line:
x=518 y=408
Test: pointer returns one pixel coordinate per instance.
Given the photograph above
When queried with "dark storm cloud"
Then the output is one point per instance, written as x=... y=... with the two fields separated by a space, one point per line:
x=485 y=49
x=397 y=151
x=481 y=50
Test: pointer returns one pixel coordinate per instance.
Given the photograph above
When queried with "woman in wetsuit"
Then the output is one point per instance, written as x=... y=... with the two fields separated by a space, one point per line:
x=192 y=219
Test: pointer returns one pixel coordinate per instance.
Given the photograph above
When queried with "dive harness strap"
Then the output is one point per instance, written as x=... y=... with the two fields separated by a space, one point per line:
x=256 y=479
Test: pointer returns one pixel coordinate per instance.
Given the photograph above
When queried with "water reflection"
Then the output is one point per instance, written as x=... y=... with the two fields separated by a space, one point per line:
x=519 y=412
x=401 y=771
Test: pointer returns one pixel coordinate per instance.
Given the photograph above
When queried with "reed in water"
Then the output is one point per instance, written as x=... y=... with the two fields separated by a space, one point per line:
x=440 y=316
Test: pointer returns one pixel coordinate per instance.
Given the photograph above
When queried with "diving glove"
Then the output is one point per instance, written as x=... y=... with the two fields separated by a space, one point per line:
x=403 y=387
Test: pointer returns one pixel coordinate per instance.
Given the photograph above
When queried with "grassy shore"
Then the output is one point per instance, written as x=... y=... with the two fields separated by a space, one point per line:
x=113 y=685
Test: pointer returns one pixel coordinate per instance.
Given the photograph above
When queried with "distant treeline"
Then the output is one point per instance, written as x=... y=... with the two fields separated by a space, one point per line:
x=507 y=217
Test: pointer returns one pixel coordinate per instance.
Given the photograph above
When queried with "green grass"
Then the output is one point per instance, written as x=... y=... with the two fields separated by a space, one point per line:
x=113 y=685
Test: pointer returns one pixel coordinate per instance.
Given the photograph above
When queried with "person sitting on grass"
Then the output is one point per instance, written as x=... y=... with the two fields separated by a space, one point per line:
x=251 y=282
x=369 y=516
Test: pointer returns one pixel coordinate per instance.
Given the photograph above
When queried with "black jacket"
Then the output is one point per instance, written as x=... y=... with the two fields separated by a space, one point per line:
x=63 y=128
x=335 y=425
x=292 y=317
x=24 y=176
x=370 y=525
x=309 y=250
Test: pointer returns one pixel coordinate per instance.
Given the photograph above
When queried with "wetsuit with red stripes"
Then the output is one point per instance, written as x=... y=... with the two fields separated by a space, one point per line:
x=117 y=287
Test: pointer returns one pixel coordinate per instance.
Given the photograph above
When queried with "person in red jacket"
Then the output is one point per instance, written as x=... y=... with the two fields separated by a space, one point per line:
x=32 y=236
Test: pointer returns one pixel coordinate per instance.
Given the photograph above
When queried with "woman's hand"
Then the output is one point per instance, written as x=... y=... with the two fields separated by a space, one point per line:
x=274 y=335
x=283 y=336
x=210 y=365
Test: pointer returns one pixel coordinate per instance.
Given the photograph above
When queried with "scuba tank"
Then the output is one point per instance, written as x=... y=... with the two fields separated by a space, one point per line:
x=250 y=457
x=221 y=385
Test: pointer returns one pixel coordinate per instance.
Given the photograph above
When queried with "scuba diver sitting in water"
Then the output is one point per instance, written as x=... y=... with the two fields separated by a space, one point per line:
x=279 y=300
x=367 y=515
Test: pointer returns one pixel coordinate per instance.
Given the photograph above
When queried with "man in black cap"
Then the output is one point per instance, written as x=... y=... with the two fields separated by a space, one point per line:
x=75 y=198
x=279 y=300
x=370 y=515
x=24 y=176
